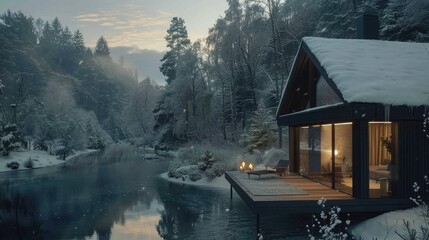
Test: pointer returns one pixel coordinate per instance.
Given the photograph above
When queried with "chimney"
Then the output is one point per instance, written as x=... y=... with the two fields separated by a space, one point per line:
x=368 y=27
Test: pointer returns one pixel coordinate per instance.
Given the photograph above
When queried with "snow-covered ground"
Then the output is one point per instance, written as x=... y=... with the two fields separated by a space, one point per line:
x=219 y=182
x=388 y=225
x=40 y=159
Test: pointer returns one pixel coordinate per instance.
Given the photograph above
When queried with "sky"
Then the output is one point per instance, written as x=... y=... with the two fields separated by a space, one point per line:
x=133 y=23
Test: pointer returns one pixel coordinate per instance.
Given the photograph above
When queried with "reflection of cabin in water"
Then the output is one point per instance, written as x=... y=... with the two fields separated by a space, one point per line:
x=355 y=111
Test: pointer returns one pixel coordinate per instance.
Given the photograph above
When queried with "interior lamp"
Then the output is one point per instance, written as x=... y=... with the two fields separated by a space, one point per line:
x=336 y=152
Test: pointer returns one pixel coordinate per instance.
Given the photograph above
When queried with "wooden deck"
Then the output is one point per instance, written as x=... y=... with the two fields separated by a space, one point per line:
x=308 y=203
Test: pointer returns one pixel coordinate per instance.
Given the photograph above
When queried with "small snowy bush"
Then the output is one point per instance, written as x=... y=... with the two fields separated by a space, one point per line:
x=226 y=155
x=206 y=161
x=172 y=169
x=183 y=171
x=28 y=163
x=273 y=155
x=216 y=170
x=195 y=175
x=191 y=154
x=328 y=225
x=421 y=233
x=12 y=165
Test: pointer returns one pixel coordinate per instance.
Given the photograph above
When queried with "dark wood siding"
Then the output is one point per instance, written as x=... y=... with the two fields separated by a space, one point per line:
x=293 y=149
x=412 y=155
x=360 y=159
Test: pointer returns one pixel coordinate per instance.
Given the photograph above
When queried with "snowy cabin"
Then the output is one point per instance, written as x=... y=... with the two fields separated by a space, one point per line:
x=355 y=110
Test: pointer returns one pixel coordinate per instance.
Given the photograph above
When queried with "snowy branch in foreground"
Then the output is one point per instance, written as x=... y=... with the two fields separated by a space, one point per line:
x=329 y=225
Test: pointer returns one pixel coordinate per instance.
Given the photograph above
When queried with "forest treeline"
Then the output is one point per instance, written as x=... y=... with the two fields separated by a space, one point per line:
x=59 y=95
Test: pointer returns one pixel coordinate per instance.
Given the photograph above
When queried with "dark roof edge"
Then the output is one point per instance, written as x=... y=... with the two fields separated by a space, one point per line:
x=291 y=74
x=304 y=49
x=321 y=70
x=354 y=112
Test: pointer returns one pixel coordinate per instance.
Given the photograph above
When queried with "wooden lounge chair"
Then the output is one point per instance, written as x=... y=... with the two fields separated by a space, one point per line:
x=279 y=169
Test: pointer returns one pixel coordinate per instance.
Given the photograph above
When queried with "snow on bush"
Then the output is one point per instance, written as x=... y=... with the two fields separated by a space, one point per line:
x=328 y=225
x=206 y=161
x=29 y=163
x=195 y=175
x=190 y=172
x=172 y=169
x=13 y=165
x=191 y=155
x=217 y=170
x=213 y=161
x=273 y=155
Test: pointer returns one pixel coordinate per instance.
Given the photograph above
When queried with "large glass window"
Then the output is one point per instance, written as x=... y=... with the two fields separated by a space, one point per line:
x=315 y=151
x=380 y=159
x=320 y=162
x=343 y=157
x=324 y=93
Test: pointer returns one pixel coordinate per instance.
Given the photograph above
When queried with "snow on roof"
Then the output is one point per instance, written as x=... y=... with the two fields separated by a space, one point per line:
x=374 y=71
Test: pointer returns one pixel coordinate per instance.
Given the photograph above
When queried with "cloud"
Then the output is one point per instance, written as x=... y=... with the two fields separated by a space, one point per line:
x=149 y=39
x=129 y=25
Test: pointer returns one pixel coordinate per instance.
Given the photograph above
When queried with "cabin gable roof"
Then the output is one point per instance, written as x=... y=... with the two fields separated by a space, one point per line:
x=361 y=71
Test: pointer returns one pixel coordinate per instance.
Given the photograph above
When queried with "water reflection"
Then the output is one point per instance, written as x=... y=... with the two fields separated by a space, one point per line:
x=140 y=222
x=125 y=201
x=76 y=204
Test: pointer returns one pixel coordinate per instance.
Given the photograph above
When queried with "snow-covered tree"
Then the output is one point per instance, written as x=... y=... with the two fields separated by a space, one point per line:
x=338 y=17
x=102 y=49
x=177 y=40
x=261 y=134
x=9 y=139
x=406 y=20
x=138 y=113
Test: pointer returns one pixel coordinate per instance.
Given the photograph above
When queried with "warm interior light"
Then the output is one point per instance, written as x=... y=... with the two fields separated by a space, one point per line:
x=241 y=168
x=243 y=164
x=339 y=124
x=336 y=152
x=251 y=167
x=380 y=122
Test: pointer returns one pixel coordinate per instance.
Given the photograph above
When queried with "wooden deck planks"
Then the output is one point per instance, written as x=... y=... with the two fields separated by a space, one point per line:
x=308 y=203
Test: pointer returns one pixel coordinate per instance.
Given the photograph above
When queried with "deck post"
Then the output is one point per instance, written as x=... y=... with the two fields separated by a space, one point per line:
x=258 y=224
x=230 y=190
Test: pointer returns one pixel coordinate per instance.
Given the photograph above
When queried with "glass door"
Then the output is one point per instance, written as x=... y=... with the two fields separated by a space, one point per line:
x=319 y=161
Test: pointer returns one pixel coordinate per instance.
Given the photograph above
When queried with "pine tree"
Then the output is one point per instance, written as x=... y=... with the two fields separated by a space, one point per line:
x=261 y=134
x=177 y=41
x=102 y=49
x=338 y=17
x=406 y=20
x=78 y=42
x=9 y=140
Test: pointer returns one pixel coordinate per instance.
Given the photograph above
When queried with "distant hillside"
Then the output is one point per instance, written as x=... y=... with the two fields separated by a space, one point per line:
x=147 y=62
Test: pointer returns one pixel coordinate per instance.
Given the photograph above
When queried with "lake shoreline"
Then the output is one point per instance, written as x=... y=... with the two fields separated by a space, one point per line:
x=219 y=182
x=41 y=160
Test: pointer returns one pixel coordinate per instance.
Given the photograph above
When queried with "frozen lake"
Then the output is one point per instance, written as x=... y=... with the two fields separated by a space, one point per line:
x=127 y=200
